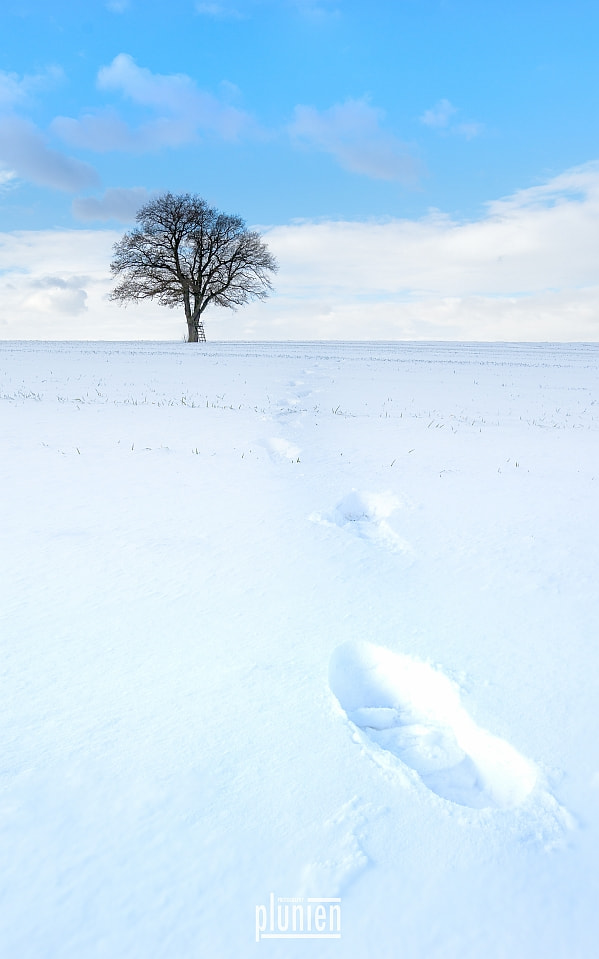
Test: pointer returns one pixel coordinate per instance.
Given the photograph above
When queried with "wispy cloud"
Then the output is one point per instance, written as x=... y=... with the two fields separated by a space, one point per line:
x=25 y=151
x=219 y=11
x=117 y=203
x=469 y=130
x=576 y=190
x=441 y=117
x=105 y=131
x=16 y=90
x=242 y=9
x=353 y=133
x=6 y=176
x=316 y=9
x=184 y=112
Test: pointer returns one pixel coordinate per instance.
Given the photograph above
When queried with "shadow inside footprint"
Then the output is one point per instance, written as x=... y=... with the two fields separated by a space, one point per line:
x=414 y=712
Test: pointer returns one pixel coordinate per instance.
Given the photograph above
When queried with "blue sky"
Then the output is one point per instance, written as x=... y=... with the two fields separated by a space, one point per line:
x=324 y=111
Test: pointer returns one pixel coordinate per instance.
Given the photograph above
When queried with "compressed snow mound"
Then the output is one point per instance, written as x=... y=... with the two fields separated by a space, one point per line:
x=281 y=449
x=412 y=710
x=365 y=514
x=372 y=507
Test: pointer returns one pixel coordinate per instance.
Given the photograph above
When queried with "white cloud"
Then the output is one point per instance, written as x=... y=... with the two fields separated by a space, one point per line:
x=25 y=151
x=15 y=90
x=240 y=9
x=440 y=117
x=469 y=130
x=184 y=112
x=542 y=238
x=117 y=203
x=101 y=132
x=56 y=295
x=54 y=285
x=352 y=133
x=576 y=189
x=220 y=11
x=565 y=316
x=526 y=270
x=316 y=9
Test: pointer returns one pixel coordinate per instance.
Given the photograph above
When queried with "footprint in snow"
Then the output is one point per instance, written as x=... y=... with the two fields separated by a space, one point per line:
x=280 y=450
x=365 y=515
x=292 y=403
x=413 y=711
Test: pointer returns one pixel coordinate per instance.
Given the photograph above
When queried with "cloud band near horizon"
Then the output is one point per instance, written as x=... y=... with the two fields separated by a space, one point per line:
x=526 y=270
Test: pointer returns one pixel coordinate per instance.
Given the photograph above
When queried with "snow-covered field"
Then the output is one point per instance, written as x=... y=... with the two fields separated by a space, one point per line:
x=309 y=620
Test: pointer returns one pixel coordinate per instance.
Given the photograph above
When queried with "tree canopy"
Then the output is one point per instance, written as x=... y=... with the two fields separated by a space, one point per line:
x=185 y=253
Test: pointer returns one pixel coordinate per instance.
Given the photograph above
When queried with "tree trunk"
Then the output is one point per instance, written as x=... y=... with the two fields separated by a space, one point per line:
x=192 y=332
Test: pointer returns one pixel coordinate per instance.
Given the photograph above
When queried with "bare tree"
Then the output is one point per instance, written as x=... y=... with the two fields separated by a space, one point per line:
x=185 y=253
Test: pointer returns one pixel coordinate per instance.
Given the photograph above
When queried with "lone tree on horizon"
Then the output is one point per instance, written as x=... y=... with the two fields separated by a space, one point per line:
x=185 y=253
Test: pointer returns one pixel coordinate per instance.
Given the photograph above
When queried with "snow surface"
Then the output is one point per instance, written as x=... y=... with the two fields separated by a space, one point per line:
x=304 y=619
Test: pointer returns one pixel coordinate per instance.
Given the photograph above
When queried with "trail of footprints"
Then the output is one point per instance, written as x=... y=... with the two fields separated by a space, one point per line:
x=405 y=708
x=279 y=448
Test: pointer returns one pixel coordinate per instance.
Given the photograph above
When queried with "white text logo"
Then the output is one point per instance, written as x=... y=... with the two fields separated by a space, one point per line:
x=299 y=918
